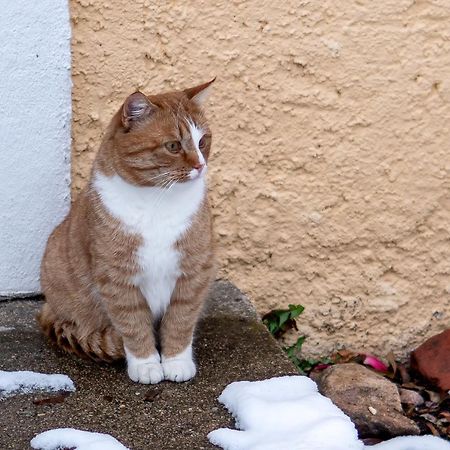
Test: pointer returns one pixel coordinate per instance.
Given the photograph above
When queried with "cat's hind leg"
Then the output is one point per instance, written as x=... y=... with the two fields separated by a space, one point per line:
x=103 y=344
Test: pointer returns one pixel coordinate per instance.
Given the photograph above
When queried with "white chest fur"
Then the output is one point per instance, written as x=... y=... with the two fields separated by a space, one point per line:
x=159 y=217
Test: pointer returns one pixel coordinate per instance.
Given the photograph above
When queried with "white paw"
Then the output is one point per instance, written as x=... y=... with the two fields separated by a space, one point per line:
x=145 y=370
x=178 y=369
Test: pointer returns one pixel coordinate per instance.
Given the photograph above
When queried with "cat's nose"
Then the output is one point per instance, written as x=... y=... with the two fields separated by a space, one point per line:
x=199 y=166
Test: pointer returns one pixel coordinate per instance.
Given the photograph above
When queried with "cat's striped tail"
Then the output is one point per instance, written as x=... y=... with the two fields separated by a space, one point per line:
x=99 y=345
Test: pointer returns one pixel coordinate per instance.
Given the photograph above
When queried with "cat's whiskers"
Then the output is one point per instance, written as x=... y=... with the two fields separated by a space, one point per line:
x=160 y=175
x=165 y=188
x=168 y=188
x=166 y=182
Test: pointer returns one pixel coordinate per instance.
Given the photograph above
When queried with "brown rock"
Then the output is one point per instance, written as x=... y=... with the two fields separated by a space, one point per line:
x=371 y=401
x=432 y=360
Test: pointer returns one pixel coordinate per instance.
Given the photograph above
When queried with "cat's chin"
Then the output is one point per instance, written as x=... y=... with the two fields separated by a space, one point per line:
x=195 y=174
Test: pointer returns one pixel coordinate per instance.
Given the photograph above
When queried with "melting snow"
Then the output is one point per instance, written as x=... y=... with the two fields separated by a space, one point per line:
x=413 y=443
x=288 y=413
x=71 y=438
x=25 y=382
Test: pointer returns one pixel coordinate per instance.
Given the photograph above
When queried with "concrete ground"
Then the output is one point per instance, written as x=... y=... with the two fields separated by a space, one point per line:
x=231 y=344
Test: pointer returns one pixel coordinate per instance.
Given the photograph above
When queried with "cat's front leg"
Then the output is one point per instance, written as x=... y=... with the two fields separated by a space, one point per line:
x=177 y=328
x=144 y=370
x=131 y=317
x=181 y=366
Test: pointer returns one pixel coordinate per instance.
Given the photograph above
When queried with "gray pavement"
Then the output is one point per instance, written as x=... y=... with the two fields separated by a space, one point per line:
x=231 y=344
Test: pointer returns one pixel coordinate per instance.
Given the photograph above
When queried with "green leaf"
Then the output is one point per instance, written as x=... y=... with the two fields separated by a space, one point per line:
x=278 y=321
x=283 y=317
x=296 y=310
x=294 y=348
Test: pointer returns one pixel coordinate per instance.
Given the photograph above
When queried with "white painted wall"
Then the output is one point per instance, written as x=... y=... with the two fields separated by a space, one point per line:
x=35 y=112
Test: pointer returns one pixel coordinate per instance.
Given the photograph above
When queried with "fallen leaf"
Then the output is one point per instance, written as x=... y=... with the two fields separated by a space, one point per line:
x=391 y=360
x=320 y=367
x=434 y=396
x=151 y=396
x=344 y=356
x=404 y=375
x=414 y=386
x=410 y=410
x=429 y=418
x=53 y=400
x=371 y=441
x=375 y=363
x=432 y=429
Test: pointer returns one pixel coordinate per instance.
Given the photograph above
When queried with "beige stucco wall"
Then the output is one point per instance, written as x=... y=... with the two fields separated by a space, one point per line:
x=330 y=173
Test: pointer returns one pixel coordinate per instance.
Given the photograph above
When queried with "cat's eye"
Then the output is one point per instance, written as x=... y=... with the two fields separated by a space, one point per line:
x=202 y=143
x=173 y=146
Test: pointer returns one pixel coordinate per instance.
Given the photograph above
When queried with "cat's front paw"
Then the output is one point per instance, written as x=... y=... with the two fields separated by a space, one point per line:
x=145 y=370
x=178 y=369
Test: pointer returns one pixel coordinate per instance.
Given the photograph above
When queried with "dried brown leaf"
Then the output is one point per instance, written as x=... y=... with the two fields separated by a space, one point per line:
x=429 y=418
x=53 y=400
x=151 y=396
x=404 y=375
x=344 y=356
x=391 y=360
x=410 y=410
x=432 y=429
x=371 y=441
x=410 y=385
x=434 y=396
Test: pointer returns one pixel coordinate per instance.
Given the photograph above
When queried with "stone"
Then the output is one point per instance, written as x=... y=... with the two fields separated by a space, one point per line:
x=370 y=400
x=432 y=360
x=409 y=397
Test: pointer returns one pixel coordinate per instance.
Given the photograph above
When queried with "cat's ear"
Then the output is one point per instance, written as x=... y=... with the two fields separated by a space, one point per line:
x=198 y=94
x=136 y=108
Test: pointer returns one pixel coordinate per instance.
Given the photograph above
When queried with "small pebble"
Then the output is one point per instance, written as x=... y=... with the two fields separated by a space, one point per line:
x=372 y=410
x=409 y=397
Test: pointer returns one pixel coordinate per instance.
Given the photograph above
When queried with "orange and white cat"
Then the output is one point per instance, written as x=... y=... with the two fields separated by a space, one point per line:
x=126 y=273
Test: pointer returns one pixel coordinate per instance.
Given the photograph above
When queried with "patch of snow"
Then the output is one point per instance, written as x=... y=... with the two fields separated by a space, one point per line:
x=285 y=413
x=288 y=413
x=25 y=382
x=3 y=329
x=69 y=438
x=413 y=443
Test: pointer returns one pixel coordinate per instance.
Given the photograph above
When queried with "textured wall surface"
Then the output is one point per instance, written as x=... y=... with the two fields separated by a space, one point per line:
x=35 y=111
x=330 y=174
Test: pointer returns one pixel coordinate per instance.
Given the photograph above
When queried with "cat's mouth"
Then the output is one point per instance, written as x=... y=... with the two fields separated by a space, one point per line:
x=196 y=173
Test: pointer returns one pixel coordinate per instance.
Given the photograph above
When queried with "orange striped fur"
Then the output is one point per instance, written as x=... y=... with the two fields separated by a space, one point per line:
x=97 y=271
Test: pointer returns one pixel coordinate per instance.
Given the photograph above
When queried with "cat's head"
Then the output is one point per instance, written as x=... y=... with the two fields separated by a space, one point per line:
x=161 y=139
